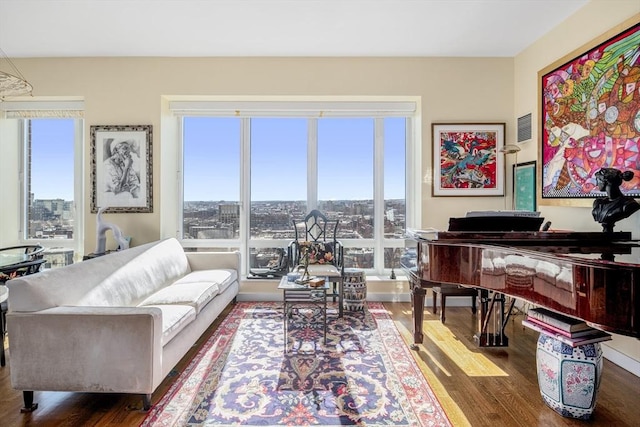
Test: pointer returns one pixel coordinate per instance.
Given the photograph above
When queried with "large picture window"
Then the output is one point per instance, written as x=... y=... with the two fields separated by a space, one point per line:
x=246 y=176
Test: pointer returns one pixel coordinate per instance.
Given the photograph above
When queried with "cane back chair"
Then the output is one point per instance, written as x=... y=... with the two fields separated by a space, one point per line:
x=316 y=246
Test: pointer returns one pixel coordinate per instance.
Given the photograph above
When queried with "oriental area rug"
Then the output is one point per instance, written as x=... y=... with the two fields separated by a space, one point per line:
x=248 y=374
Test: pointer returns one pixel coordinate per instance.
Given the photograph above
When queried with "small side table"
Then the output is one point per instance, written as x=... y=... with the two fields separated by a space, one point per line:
x=295 y=295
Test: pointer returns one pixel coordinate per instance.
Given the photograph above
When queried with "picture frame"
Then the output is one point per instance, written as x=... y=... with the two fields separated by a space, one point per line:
x=589 y=118
x=121 y=168
x=524 y=186
x=467 y=159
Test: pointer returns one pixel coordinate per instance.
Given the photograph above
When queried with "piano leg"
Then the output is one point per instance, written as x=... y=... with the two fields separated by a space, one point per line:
x=417 y=307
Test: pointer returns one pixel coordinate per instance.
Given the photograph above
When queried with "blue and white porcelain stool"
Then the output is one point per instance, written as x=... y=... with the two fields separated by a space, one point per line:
x=355 y=289
x=569 y=377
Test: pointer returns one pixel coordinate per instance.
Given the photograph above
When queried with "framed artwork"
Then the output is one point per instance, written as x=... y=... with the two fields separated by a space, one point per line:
x=121 y=169
x=467 y=160
x=590 y=118
x=524 y=186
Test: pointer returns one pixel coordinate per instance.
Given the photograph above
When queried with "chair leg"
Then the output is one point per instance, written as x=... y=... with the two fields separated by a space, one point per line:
x=443 y=303
x=435 y=299
x=3 y=323
x=473 y=304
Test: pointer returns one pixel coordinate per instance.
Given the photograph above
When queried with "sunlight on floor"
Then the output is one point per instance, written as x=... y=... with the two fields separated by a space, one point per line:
x=455 y=414
x=472 y=362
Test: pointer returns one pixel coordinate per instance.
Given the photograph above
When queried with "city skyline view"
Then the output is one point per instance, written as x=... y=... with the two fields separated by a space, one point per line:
x=341 y=177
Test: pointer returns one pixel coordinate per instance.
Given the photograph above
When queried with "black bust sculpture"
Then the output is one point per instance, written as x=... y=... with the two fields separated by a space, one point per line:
x=616 y=206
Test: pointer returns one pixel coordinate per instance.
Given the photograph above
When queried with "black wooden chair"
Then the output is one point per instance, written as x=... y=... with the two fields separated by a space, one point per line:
x=316 y=246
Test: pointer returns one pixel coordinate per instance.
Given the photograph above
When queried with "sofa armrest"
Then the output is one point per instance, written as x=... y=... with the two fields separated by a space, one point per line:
x=92 y=349
x=214 y=260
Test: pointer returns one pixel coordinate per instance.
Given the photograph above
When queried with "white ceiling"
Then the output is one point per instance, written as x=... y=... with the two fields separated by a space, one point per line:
x=68 y=28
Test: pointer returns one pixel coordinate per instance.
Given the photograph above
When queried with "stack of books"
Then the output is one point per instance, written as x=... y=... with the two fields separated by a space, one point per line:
x=566 y=329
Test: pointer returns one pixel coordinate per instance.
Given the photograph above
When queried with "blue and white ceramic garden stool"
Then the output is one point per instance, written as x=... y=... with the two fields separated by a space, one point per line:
x=569 y=377
x=355 y=289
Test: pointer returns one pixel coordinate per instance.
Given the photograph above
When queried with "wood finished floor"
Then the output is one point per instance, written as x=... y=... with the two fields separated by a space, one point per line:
x=478 y=387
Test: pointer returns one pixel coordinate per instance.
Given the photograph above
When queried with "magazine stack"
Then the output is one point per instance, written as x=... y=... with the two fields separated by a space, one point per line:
x=566 y=329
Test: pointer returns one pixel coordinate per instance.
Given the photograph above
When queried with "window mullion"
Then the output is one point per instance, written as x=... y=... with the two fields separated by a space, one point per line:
x=378 y=195
x=312 y=165
x=78 y=188
x=245 y=190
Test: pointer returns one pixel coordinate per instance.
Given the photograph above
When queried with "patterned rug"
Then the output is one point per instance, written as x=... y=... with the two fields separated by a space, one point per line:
x=247 y=374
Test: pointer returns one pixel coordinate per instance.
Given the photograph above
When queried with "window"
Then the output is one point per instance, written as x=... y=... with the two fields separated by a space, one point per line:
x=247 y=173
x=48 y=157
x=211 y=178
x=49 y=194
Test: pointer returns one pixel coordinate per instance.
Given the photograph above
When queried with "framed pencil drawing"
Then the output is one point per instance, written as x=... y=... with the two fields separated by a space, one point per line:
x=467 y=159
x=590 y=117
x=524 y=186
x=121 y=168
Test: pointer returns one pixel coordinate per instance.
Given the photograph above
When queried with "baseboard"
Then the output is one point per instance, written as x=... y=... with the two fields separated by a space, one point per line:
x=625 y=362
x=377 y=297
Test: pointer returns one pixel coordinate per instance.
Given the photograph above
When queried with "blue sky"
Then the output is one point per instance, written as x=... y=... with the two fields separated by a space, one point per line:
x=279 y=164
x=52 y=158
x=212 y=155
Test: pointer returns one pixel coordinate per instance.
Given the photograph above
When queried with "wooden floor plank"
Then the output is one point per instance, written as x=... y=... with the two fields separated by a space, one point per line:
x=478 y=387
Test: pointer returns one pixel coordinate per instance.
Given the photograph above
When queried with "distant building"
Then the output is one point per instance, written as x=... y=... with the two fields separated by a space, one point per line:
x=57 y=257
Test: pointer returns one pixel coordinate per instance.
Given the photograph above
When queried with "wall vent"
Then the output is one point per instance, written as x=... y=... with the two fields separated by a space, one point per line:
x=524 y=128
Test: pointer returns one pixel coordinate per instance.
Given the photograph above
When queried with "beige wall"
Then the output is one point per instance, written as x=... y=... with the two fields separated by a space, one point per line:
x=129 y=90
x=595 y=19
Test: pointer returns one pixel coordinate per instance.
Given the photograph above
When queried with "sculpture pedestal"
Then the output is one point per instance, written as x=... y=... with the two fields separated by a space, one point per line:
x=569 y=377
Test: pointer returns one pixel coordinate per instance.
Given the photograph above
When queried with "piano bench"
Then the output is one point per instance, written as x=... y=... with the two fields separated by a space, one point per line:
x=452 y=291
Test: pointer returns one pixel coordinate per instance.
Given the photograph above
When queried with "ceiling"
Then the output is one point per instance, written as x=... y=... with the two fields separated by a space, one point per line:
x=463 y=28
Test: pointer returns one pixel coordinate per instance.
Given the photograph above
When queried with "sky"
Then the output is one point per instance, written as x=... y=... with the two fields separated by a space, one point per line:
x=278 y=165
x=52 y=158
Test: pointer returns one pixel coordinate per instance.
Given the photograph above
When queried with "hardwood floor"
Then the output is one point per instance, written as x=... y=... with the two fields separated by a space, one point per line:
x=478 y=387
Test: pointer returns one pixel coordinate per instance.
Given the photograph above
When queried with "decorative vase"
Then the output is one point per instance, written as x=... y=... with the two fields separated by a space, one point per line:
x=569 y=377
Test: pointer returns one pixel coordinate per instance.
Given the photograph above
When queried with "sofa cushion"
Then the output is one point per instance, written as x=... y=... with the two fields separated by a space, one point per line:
x=174 y=319
x=222 y=277
x=195 y=294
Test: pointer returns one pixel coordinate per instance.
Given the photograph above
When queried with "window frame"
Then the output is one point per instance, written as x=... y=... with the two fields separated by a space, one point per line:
x=77 y=243
x=375 y=107
x=14 y=117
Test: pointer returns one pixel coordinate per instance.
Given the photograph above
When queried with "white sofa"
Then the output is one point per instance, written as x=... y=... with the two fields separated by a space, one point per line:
x=115 y=324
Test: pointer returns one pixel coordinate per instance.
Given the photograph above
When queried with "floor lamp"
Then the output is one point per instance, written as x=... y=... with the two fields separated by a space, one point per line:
x=512 y=149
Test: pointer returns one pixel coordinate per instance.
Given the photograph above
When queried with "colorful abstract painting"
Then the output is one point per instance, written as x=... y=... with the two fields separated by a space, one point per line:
x=590 y=111
x=467 y=159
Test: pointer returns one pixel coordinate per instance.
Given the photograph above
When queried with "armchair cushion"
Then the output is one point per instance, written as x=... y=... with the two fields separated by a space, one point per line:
x=319 y=252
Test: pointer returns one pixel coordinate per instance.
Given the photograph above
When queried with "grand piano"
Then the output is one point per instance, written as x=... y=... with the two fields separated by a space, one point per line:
x=592 y=276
